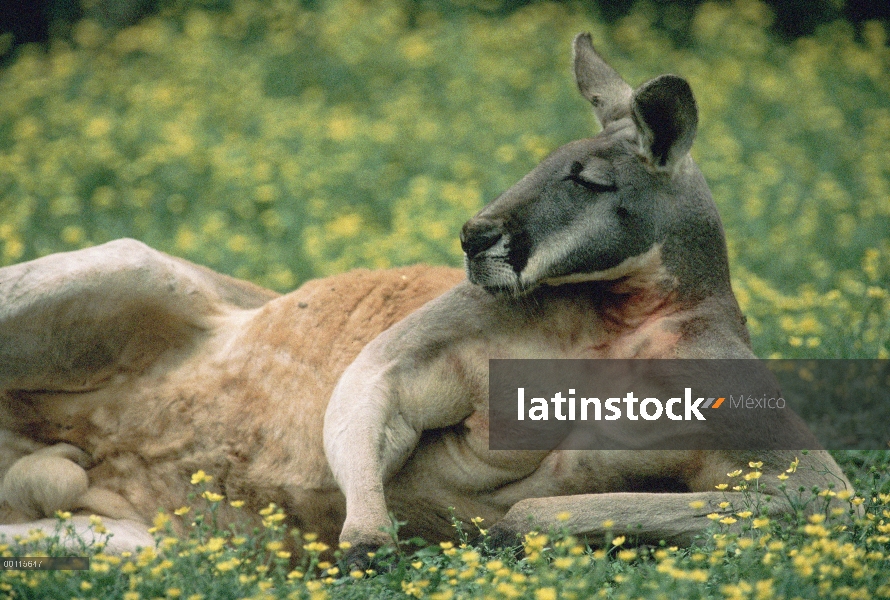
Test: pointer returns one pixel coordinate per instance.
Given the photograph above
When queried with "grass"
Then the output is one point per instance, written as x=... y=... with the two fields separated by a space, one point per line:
x=832 y=553
x=278 y=141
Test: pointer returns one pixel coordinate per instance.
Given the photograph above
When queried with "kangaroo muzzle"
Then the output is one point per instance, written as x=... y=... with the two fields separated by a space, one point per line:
x=478 y=235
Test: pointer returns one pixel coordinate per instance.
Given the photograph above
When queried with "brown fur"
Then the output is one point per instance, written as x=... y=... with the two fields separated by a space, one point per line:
x=245 y=405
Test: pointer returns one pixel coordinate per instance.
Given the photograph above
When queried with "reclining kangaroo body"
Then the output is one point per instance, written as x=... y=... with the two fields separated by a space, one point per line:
x=124 y=370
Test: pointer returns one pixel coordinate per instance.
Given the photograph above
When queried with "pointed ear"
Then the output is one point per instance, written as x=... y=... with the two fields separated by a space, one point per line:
x=666 y=117
x=599 y=83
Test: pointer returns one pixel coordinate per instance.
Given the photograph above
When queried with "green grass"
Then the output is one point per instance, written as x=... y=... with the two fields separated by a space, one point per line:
x=279 y=141
x=744 y=555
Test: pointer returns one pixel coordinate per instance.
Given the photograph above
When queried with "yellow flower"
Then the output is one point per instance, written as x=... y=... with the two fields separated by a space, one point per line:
x=721 y=486
x=535 y=541
x=236 y=503
x=168 y=542
x=727 y=520
x=545 y=593
x=97 y=525
x=782 y=476
x=563 y=516
x=316 y=547
x=212 y=497
x=273 y=520
x=619 y=540
x=160 y=522
x=201 y=477
x=181 y=511
x=760 y=523
x=72 y=234
x=696 y=504
x=755 y=465
x=735 y=473
x=228 y=565
x=627 y=555
x=744 y=514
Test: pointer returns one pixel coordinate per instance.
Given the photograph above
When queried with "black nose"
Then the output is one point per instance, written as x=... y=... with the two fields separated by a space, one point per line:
x=479 y=235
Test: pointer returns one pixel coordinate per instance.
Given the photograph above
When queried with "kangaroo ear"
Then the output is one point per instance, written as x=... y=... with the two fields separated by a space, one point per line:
x=599 y=83
x=666 y=117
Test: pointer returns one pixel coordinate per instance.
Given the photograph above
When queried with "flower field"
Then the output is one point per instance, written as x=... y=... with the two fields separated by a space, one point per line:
x=745 y=555
x=276 y=142
x=283 y=140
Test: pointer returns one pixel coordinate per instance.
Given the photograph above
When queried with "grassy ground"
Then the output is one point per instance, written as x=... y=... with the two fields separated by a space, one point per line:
x=744 y=555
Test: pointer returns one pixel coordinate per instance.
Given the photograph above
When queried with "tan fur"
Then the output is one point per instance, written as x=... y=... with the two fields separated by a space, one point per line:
x=245 y=404
x=46 y=481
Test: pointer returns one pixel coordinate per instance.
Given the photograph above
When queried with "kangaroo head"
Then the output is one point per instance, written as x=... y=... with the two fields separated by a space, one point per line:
x=604 y=207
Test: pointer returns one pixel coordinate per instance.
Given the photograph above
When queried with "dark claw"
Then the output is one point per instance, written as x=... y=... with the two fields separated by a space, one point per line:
x=357 y=559
x=502 y=537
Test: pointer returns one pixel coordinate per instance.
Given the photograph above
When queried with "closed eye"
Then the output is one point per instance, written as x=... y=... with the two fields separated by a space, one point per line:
x=593 y=186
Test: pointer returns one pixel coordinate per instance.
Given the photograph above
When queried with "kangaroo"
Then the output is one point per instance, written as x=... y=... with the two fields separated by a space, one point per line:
x=124 y=370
